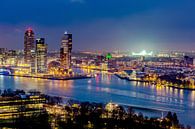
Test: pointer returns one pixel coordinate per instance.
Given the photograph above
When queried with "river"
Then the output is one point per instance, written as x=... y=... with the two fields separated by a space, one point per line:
x=105 y=88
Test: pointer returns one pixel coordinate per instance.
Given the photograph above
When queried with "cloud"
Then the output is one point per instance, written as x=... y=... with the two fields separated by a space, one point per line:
x=77 y=1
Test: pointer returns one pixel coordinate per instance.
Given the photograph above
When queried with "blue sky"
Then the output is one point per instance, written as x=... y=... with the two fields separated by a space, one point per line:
x=101 y=24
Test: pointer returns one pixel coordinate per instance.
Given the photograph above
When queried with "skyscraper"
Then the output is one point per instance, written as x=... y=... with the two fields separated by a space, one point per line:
x=41 y=56
x=28 y=45
x=65 y=51
x=29 y=50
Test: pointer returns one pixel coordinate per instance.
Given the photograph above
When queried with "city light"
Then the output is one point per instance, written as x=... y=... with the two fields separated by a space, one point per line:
x=142 y=53
x=122 y=64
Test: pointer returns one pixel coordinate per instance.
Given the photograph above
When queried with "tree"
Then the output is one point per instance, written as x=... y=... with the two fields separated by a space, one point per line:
x=175 y=120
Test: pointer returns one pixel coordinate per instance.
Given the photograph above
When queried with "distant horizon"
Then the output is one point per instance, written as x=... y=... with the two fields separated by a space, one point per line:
x=112 y=51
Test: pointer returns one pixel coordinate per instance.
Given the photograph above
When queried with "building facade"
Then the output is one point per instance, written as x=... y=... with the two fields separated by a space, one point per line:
x=29 y=50
x=3 y=56
x=41 y=56
x=29 y=39
x=65 y=51
x=16 y=104
x=11 y=58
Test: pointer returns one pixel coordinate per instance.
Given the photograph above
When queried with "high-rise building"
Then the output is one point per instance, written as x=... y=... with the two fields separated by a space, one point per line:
x=28 y=46
x=65 y=51
x=29 y=50
x=41 y=56
x=33 y=62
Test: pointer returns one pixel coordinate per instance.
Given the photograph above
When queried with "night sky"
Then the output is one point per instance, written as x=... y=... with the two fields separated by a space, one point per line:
x=101 y=24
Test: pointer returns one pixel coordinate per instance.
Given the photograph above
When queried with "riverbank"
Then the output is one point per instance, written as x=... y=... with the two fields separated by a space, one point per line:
x=111 y=115
x=150 y=82
x=133 y=106
x=110 y=71
x=128 y=79
x=51 y=113
x=50 y=78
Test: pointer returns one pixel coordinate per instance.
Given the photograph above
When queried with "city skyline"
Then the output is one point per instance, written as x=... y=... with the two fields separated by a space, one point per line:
x=97 y=64
x=127 y=25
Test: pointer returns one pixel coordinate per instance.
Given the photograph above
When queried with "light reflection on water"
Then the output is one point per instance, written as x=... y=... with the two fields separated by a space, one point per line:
x=105 y=88
x=193 y=98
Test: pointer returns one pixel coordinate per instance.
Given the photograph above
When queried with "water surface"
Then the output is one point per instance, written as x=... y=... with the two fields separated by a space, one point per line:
x=105 y=88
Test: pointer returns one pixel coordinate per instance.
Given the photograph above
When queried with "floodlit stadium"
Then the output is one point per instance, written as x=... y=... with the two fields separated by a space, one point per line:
x=142 y=53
